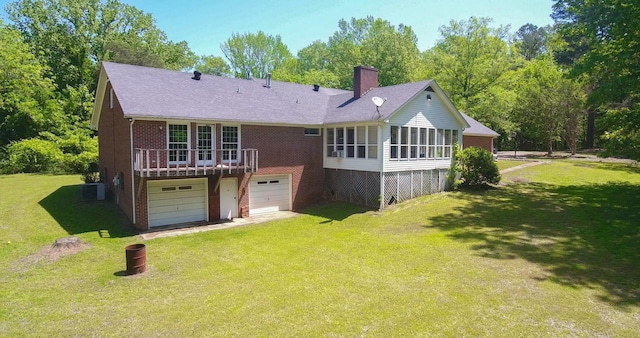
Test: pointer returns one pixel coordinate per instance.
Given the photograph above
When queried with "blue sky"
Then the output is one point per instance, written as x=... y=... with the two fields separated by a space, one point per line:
x=207 y=24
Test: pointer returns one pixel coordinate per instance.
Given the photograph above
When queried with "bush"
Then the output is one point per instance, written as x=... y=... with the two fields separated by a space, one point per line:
x=477 y=167
x=32 y=155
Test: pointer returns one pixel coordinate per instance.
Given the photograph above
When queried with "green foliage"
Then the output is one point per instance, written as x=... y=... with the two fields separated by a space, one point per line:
x=257 y=54
x=32 y=155
x=601 y=44
x=477 y=167
x=469 y=59
x=212 y=65
x=548 y=106
x=27 y=104
x=531 y=41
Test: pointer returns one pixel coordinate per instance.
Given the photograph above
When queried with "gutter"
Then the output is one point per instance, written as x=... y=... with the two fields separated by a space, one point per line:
x=133 y=185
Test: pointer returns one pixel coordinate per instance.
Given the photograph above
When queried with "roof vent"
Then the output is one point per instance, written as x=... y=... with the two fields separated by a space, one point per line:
x=196 y=75
x=248 y=73
x=268 y=84
x=316 y=87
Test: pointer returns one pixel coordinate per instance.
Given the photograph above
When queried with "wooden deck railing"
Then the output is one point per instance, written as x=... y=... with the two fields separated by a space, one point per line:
x=189 y=162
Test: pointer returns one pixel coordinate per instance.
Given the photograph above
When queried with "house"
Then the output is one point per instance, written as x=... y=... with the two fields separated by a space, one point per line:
x=177 y=147
x=477 y=134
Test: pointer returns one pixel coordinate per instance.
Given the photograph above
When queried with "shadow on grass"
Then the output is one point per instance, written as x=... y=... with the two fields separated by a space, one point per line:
x=581 y=235
x=335 y=211
x=78 y=217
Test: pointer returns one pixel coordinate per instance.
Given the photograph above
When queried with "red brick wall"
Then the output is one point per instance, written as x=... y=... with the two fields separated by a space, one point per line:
x=478 y=141
x=285 y=150
x=364 y=78
x=115 y=152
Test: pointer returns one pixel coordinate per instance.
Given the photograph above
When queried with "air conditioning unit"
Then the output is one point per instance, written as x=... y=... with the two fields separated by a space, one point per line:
x=338 y=154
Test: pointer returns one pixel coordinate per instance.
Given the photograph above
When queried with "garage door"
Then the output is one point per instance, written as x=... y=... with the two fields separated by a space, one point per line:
x=177 y=201
x=268 y=194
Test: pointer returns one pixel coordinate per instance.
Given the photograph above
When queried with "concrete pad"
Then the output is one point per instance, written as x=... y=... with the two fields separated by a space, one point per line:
x=236 y=222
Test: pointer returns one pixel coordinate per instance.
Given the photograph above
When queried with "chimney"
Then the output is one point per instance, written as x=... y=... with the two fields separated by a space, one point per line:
x=364 y=79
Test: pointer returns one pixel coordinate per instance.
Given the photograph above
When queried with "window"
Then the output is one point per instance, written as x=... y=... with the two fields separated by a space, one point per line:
x=447 y=143
x=404 y=142
x=178 y=142
x=372 y=141
x=312 y=131
x=432 y=143
x=413 y=139
x=230 y=143
x=395 y=131
x=205 y=143
x=352 y=142
x=422 y=151
x=331 y=134
x=439 y=141
x=351 y=139
x=361 y=135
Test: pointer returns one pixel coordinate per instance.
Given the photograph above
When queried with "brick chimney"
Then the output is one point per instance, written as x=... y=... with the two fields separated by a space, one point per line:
x=364 y=79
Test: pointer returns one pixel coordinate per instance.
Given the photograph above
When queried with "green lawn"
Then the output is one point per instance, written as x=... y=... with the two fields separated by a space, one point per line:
x=505 y=164
x=553 y=251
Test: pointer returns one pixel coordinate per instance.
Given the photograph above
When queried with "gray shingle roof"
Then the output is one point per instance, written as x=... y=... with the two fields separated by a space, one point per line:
x=476 y=128
x=145 y=92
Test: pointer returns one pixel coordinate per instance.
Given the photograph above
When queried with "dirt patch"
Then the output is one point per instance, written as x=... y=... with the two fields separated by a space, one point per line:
x=60 y=248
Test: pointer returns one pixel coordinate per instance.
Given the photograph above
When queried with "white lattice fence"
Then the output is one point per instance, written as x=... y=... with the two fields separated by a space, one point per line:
x=405 y=185
x=358 y=187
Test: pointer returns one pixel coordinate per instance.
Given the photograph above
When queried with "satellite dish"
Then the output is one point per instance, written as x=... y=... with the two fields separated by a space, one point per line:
x=378 y=101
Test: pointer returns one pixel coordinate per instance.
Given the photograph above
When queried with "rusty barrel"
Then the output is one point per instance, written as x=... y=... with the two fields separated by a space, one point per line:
x=136 y=258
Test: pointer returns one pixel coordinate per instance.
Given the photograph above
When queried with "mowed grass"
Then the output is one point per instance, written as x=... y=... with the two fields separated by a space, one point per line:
x=553 y=251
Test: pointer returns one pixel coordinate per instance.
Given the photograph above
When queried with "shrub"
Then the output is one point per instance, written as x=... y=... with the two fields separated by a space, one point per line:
x=477 y=167
x=32 y=155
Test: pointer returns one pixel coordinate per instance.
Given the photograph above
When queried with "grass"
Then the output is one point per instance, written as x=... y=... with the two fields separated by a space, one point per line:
x=552 y=252
x=505 y=164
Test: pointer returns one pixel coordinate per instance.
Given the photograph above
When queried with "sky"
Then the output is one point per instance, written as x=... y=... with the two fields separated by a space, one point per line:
x=204 y=25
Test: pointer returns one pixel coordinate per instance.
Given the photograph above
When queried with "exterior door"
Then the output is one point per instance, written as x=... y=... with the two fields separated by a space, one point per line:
x=177 y=201
x=228 y=198
x=205 y=145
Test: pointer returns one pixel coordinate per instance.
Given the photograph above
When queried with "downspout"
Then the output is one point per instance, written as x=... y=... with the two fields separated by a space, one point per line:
x=381 y=155
x=133 y=190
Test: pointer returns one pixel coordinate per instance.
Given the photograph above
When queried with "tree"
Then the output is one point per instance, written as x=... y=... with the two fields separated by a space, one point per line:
x=549 y=105
x=531 y=41
x=373 y=42
x=602 y=37
x=27 y=102
x=257 y=54
x=213 y=65
x=469 y=58
x=473 y=63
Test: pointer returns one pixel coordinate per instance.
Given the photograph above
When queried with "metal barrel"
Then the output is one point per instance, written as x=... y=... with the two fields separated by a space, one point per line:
x=136 y=258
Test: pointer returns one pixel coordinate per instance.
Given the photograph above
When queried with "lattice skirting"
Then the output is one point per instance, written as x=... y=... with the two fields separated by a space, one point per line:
x=363 y=187
x=358 y=187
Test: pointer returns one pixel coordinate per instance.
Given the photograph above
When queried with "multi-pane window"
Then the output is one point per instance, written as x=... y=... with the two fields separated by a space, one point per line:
x=230 y=143
x=178 y=142
x=422 y=150
x=352 y=142
x=312 y=131
x=205 y=143
x=421 y=143
x=372 y=141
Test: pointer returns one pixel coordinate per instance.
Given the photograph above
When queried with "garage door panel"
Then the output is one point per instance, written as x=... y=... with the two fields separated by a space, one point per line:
x=176 y=201
x=269 y=194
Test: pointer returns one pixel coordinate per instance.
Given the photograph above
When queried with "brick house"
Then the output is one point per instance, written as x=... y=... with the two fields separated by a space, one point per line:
x=177 y=147
x=477 y=134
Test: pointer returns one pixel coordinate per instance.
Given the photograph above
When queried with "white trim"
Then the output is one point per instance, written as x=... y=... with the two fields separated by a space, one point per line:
x=239 y=142
x=213 y=143
x=188 y=161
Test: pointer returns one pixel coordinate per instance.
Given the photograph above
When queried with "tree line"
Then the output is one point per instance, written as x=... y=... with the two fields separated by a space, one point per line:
x=568 y=86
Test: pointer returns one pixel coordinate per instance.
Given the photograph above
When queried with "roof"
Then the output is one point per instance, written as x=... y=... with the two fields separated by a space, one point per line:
x=476 y=128
x=149 y=93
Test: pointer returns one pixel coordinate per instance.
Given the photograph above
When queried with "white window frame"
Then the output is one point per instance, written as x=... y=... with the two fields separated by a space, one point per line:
x=230 y=155
x=207 y=160
x=180 y=152
x=312 y=132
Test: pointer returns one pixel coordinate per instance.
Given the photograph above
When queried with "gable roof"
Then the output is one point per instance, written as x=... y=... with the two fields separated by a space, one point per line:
x=476 y=128
x=150 y=93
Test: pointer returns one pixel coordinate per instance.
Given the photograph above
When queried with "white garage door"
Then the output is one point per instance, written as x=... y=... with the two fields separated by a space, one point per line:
x=177 y=201
x=268 y=194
